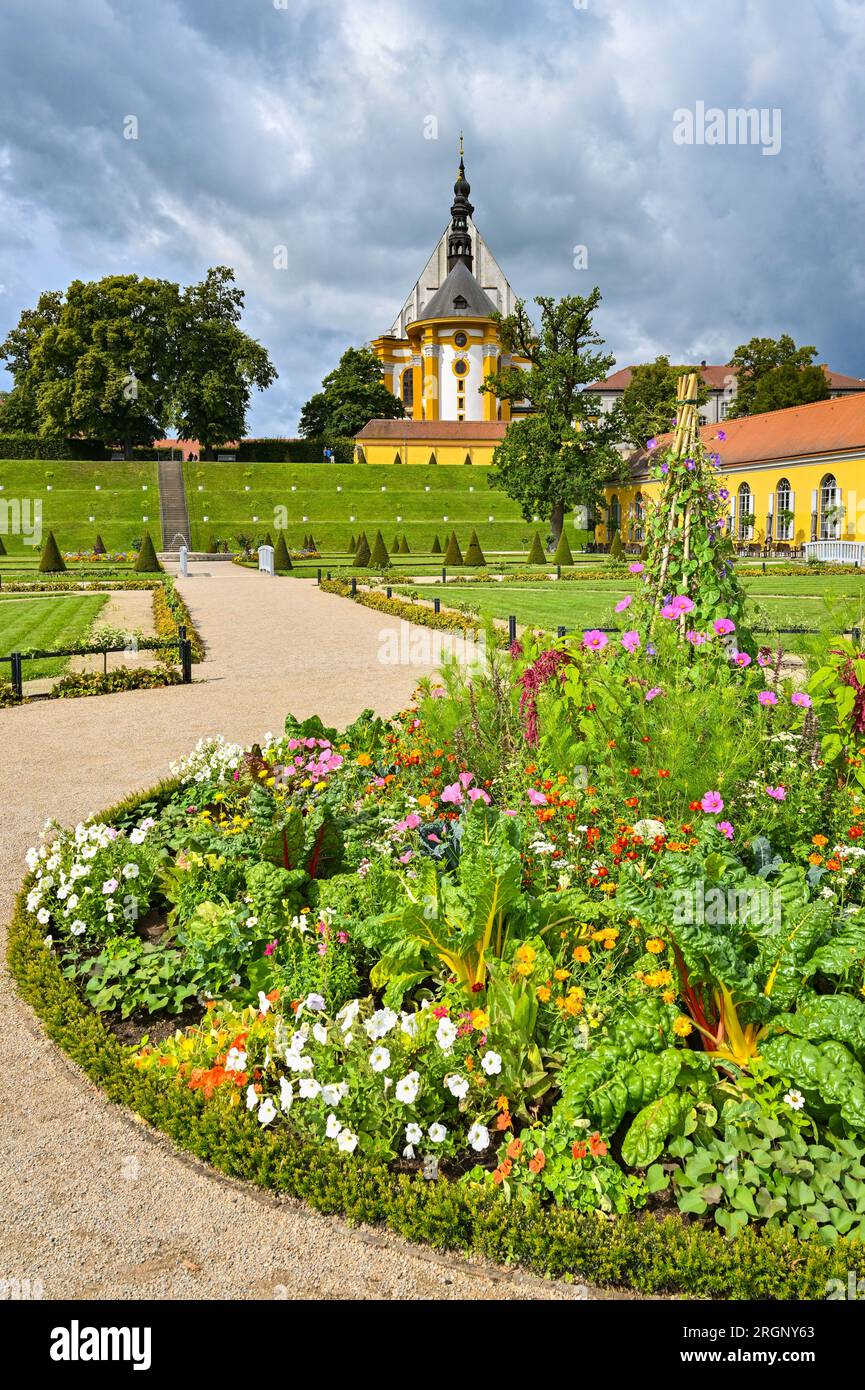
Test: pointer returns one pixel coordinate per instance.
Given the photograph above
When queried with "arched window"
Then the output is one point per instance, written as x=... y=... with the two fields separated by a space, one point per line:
x=408 y=388
x=783 y=510
x=615 y=521
x=746 y=512
x=639 y=518
x=830 y=509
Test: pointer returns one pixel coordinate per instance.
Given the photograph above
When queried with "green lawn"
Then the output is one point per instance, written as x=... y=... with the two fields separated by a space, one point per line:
x=775 y=603
x=47 y=623
x=117 y=495
x=410 y=500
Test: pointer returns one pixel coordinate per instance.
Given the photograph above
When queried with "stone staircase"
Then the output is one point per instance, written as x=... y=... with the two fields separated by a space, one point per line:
x=172 y=499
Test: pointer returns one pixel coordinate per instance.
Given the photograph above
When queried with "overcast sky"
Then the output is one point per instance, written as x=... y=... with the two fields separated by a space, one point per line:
x=303 y=124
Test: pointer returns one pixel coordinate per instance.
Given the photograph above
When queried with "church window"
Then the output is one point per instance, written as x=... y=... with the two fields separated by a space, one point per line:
x=408 y=387
x=460 y=339
x=461 y=366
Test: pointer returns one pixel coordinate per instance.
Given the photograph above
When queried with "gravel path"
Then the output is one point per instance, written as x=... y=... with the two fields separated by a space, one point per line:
x=93 y=1203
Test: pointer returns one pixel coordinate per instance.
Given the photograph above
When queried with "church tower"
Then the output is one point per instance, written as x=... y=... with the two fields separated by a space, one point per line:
x=445 y=341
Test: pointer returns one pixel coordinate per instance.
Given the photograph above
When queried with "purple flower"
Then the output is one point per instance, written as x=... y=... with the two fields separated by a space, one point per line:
x=800 y=698
x=594 y=640
x=712 y=803
x=665 y=468
x=767 y=697
x=624 y=603
x=690 y=465
x=651 y=443
x=722 y=435
x=724 y=493
x=631 y=641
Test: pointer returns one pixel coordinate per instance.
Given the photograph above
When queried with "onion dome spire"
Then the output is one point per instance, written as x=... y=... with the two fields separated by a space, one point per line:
x=459 y=237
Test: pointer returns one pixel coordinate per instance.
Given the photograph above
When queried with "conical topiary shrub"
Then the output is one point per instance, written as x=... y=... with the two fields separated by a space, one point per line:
x=214 y=545
x=436 y=547
x=2 y=547
x=51 y=561
x=563 y=554
x=281 y=557
x=396 y=546
x=453 y=554
x=99 y=546
x=616 y=549
x=536 y=554
x=404 y=547
x=268 y=539
x=432 y=459
x=379 y=558
x=474 y=554
x=147 y=562
x=352 y=545
x=313 y=543
x=362 y=554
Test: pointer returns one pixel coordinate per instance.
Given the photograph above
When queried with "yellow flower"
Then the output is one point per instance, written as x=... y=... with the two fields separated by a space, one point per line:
x=682 y=1026
x=544 y=993
x=562 y=974
x=525 y=953
x=669 y=996
x=480 y=1020
x=655 y=945
x=582 y=954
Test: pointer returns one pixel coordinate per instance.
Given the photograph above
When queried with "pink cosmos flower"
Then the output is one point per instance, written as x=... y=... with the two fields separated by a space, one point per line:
x=725 y=828
x=723 y=626
x=767 y=697
x=595 y=640
x=696 y=639
x=653 y=693
x=668 y=611
x=631 y=641
x=742 y=659
x=478 y=794
x=404 y=858
x=800 y=698
x=536 y=798
x=635 y=568
x=778 y=793
x=712 y=803
x=624 y=603
x=682 y=603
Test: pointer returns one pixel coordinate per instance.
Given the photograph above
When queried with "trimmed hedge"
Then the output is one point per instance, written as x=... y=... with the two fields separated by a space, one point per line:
x=291 y=450
x=651 y=1255
x=33 y=446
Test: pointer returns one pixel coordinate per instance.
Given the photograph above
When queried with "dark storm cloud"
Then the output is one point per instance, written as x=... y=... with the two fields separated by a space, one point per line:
x=301 y=125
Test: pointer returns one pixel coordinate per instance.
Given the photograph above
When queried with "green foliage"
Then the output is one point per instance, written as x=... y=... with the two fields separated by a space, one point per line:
x=436 y=548
x=51 y=561
x=536 y=555
x=352 y=394
x=453 y=556
x=773 y=374
x=147 y=562
x=649 y=399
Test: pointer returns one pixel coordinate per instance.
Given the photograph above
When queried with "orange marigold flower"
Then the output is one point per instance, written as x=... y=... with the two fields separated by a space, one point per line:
x=597 y=1146
x=515 y=1148
x=538 y=1161
x=655 y=945
x=682 y=1026
x=819 y=840
x=582 y=954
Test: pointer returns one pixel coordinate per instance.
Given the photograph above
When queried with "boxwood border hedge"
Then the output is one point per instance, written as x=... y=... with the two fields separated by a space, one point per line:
x=647 y=1254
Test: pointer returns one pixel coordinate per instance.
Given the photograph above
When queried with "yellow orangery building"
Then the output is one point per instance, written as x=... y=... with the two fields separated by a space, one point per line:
x=794 y=476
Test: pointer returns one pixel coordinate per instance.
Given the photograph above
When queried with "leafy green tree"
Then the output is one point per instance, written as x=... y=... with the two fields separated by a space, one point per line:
x=763 y=385
x=18 y=410
x=351 y=395
x=649 y=400
x=51 y=561
x=561 y=455
x=105 y=366
x=217 y=363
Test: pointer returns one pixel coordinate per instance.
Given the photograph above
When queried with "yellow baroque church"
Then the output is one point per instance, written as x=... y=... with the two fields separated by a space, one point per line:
x=442 y=346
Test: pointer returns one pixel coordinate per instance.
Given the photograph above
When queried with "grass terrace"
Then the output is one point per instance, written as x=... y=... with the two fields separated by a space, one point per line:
x=47 y=622
x=78 y=499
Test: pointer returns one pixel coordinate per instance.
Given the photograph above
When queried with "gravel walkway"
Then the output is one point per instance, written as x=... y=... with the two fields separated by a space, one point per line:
x=92 y=1203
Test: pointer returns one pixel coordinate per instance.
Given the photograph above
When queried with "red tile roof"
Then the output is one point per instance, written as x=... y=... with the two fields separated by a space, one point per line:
x=468 y=430
x=824 y=427
x=716 y=378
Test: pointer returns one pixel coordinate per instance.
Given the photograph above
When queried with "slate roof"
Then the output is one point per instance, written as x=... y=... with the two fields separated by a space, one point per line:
x=460 y=283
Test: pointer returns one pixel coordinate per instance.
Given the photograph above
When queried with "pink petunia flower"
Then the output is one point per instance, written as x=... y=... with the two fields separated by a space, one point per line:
x=478 y=794
x=465 y=779
x=453 y=794
x=712 y=803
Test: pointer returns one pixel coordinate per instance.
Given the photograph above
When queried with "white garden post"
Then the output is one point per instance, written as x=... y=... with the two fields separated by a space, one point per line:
x=183 y=567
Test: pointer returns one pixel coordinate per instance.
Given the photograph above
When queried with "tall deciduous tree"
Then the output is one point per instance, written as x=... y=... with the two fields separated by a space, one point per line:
x=649 y=400
x=18 y=410
x=105 y=367
x=560 y=456
x=217 y=363
x=774 y=373
x=351 y=395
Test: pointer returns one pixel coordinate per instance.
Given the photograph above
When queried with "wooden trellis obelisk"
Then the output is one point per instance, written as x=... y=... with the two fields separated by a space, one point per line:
x=675 y=520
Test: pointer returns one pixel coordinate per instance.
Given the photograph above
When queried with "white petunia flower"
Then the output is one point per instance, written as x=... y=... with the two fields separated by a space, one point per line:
x=333 y=1128
x=313 y=1002
x=379 y=1059
x=479 y=1137
x=413 y=1133
x=286 y=1094
x=437 y=1133
x=78 y=927
x=235 y=1059
x=446 y=1034
x=319 y=1032
x=457 y=1085
x=407 y=1088
x=491 y=1063
x=266 y=1112
x=408 y=1022
x=347 y=1141
x=263 y=1001
x=110 y=886
x=43 y=916
x=251 y=1097
x=308 y=1087
x=130 y=870
x=381 y=1023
